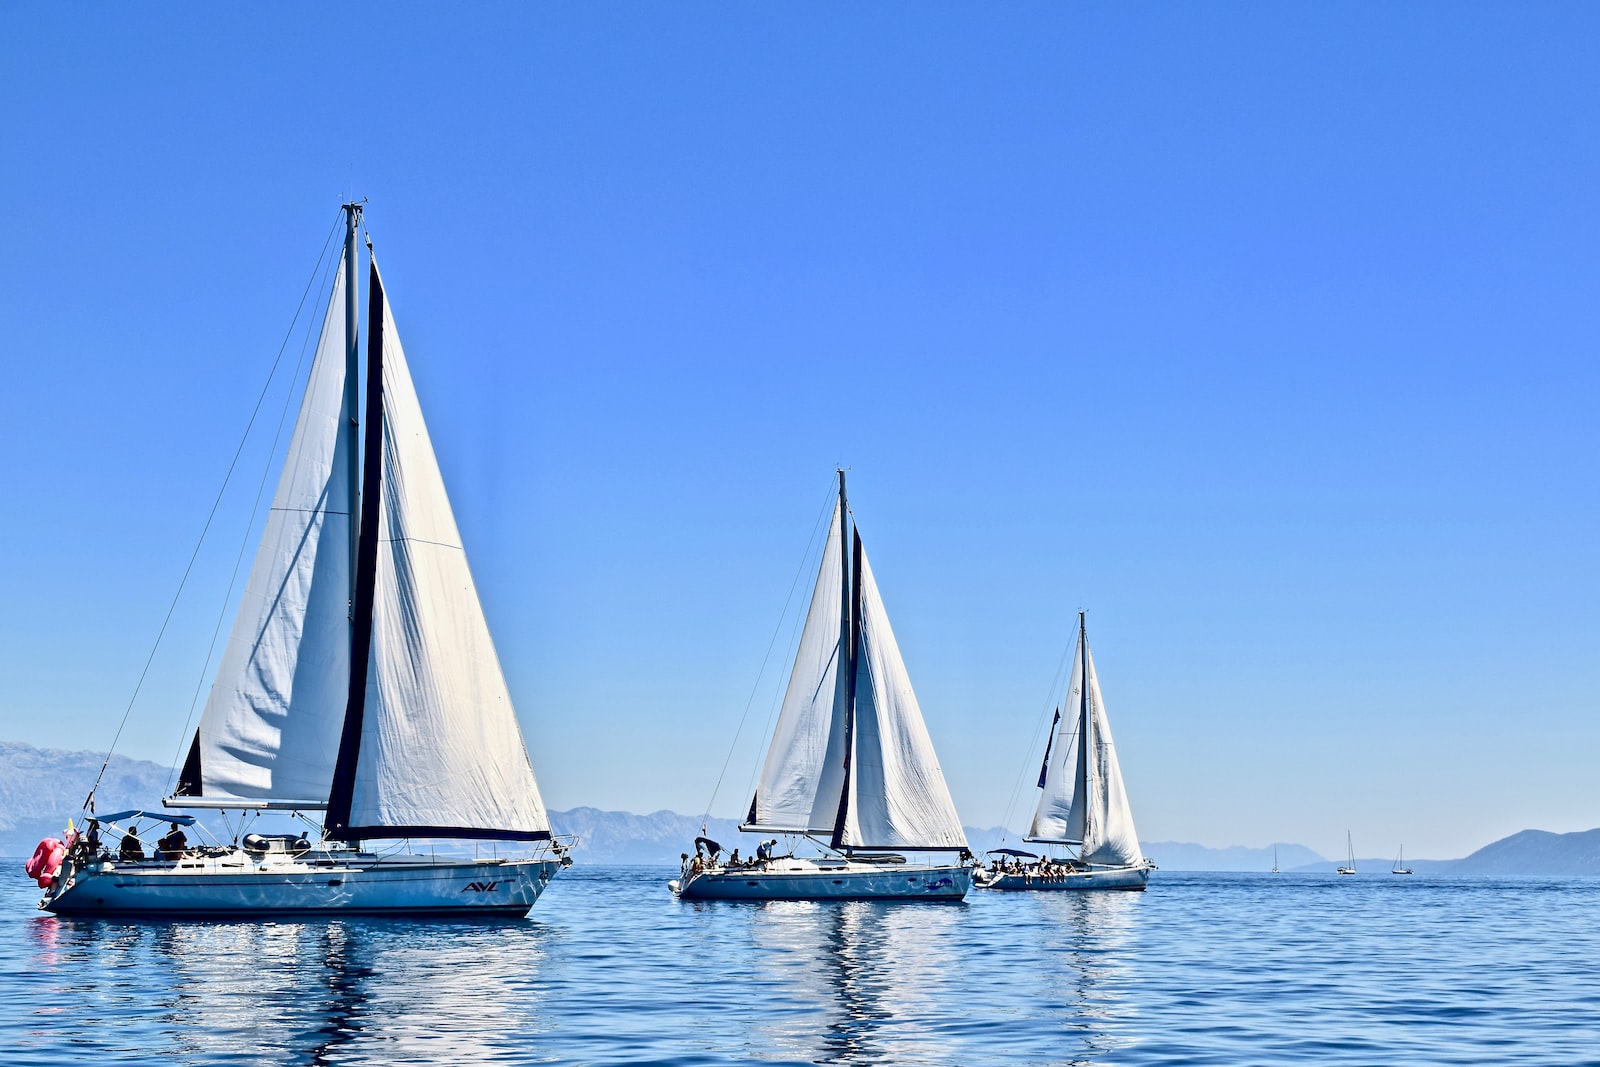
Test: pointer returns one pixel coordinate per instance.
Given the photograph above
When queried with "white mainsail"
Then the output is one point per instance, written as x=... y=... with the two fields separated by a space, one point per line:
x=441 y=749
x=270 y=729
x=803 y=777
x=898 y=795
x=1084 y=801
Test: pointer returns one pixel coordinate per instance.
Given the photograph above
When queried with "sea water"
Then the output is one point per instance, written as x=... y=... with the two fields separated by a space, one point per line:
x=610 y=968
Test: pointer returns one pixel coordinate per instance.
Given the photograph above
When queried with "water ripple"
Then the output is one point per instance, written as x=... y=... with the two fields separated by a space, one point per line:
x=1202 y=969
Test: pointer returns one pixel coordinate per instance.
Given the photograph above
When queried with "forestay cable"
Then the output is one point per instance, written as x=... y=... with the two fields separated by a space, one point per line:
x=771 y=642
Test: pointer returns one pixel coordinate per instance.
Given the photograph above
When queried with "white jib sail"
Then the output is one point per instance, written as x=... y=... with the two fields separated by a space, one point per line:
x=440 y=743
x=898 y=795
x=271 y=724
x=1111 y=838
x=803 y=777
x=1058 y=818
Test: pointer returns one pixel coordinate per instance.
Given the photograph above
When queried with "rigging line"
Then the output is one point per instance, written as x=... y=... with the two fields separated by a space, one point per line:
x=1055 y=686
x=778 y=693
x=762 y=671
x=244 y=540
x=189 y=569
x=806 y=563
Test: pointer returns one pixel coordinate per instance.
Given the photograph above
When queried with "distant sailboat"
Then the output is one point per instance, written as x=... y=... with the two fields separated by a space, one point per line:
x=1350 y=850
x=1275 y=859
x=1400 y=863
x=850 y=767
x=360 y=681
x=1082 y=801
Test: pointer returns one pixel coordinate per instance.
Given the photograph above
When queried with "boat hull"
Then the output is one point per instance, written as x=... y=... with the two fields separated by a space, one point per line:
x=801 y=880
x=1130 y=878
x=412 y=886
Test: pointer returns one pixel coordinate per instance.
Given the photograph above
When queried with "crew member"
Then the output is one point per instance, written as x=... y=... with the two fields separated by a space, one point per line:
x=172 y=846
x=132 y=849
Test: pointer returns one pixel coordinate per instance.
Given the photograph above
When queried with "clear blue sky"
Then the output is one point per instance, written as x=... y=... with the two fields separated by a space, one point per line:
x=1265 y=333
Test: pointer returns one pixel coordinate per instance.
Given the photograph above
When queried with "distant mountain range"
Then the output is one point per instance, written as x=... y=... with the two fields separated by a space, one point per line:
x=40 y=787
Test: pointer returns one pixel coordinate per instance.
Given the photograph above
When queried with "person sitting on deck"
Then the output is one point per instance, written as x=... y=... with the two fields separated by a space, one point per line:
x=172 y=846
x=131 y=850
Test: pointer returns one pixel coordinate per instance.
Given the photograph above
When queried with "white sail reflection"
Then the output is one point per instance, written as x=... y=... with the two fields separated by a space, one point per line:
x=1083 y=965
x=867 y=980
x=352 y=992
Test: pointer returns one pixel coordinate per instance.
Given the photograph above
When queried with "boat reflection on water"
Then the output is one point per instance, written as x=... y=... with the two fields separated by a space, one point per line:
x=872 y=970
x=865 y=982
x=1082 y=964
x=347 y=991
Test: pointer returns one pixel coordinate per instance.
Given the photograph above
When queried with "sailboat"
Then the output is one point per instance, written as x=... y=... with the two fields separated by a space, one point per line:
x=1400 y=863
x=1275 y=859
x=850 y=767
x=1350 y=851
x=359 y=681
x=1082 y=801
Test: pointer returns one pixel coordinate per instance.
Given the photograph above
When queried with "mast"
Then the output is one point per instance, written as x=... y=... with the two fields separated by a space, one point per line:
x=342 y=792
x=352 y=384
x=849 y=636
x=1085 y=741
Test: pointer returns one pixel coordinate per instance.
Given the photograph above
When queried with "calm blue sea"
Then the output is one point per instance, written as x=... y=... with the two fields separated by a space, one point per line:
x=609 y=968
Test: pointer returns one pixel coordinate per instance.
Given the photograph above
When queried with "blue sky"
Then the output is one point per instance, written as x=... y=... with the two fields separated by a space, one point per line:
x=1265 y=334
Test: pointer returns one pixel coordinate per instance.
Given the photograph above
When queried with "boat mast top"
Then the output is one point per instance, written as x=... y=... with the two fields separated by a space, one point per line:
x=352 y=384
x=844 y=551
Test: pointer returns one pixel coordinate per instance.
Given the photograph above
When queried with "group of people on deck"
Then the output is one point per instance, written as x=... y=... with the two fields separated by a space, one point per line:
x=172 y=847
x=708 y=856
x=1043 y=869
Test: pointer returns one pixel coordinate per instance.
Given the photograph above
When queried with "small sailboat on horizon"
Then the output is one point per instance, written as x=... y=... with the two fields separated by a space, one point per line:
x=850 y=768
x=1083 y=803
x=1350 y=852
x=1400 y=863
x=1275 y=860
x=359 y=681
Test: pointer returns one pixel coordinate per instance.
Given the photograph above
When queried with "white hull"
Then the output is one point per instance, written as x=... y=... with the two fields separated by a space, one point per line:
x=796 y=879
x=1135 y=878
x=241 y=886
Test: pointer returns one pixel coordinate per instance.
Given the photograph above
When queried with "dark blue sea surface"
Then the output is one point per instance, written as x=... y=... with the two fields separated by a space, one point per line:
x=610 y=968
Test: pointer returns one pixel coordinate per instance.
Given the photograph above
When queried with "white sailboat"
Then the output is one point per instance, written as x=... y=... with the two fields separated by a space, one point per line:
x=1400 y=863
x=359 y=680
x=1082 y=803
x=1350 y=853
x=850 y=767
x=1275 y=859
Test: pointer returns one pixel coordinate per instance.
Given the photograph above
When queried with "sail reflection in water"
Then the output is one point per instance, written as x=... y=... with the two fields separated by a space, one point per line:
x=870 y=983
x=350 y=991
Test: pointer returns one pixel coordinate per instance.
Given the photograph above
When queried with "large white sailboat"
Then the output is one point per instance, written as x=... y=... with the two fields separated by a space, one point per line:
x=850 y=767
x=359 y=681
x=1082 y=802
